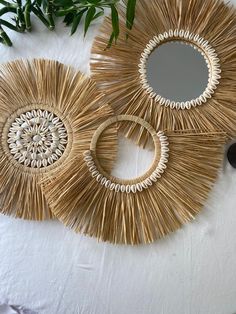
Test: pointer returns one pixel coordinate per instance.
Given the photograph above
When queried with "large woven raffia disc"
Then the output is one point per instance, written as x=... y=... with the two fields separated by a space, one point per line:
x=121 y=71
x=144 y=209
x=48 y=114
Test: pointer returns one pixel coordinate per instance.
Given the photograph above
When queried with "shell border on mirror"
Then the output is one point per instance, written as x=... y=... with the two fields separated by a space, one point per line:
x=197 y=42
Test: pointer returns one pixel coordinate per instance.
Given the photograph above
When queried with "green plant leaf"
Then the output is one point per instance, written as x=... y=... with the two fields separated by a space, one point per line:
x=94 y=1
x=97 y=15
x=76 y=21
x=69 y=18
x=63 y=3
x=4 y=38
x=62 y=12
x=130 y=13
x=39 y=2
x=89 y=18
x=115 y=21
x=111 y=40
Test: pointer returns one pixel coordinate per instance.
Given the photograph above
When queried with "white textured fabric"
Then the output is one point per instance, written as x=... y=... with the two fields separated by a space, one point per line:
x=49 y=269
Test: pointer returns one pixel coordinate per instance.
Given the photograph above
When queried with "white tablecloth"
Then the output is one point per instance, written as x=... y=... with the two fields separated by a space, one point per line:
x=49 y=269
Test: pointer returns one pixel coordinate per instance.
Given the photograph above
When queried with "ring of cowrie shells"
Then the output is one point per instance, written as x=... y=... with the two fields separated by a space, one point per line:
x=197 y=42
x=138 y=184
x=36 y=138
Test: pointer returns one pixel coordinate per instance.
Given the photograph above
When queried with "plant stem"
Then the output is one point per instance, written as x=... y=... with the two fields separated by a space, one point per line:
x=40 y=15
x=27 y=11
x=49 y=13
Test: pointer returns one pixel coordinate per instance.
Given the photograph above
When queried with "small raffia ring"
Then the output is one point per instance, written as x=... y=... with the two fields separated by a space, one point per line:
x=138 y=184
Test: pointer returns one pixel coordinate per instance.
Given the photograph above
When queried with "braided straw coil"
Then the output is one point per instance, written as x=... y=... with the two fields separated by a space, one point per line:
x=48 y=114
x=171 y=193
x=121 y=71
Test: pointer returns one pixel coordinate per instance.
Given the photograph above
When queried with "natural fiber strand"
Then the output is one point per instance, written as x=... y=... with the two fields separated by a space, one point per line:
x=117 y=74
x=40 y=87
x=87 y=206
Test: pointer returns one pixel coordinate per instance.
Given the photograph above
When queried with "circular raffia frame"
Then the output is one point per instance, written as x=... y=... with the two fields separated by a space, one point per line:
x=46 y=108
x=171 y=193
x=120 y=71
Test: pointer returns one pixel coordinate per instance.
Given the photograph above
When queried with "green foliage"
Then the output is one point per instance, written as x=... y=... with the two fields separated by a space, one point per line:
x=71 y=10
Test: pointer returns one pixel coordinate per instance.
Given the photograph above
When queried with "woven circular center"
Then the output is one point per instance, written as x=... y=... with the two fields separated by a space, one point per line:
x=37 y=138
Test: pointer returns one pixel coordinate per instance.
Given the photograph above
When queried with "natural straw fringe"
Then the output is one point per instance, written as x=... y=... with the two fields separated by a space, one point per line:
x=117 y=73
x=73 y=98
x=89 y=207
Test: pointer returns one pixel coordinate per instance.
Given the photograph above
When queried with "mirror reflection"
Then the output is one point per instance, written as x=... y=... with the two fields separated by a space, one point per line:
x=177 y=71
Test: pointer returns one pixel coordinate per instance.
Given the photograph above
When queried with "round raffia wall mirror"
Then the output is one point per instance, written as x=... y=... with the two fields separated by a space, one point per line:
x=177 y=68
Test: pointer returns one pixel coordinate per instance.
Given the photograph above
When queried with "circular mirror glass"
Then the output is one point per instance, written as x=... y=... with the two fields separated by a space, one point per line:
x=177 y=71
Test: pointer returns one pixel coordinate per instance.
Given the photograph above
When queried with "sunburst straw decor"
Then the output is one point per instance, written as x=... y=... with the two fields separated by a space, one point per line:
x=92 y=201
x=48 y=115
x=209 y=26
